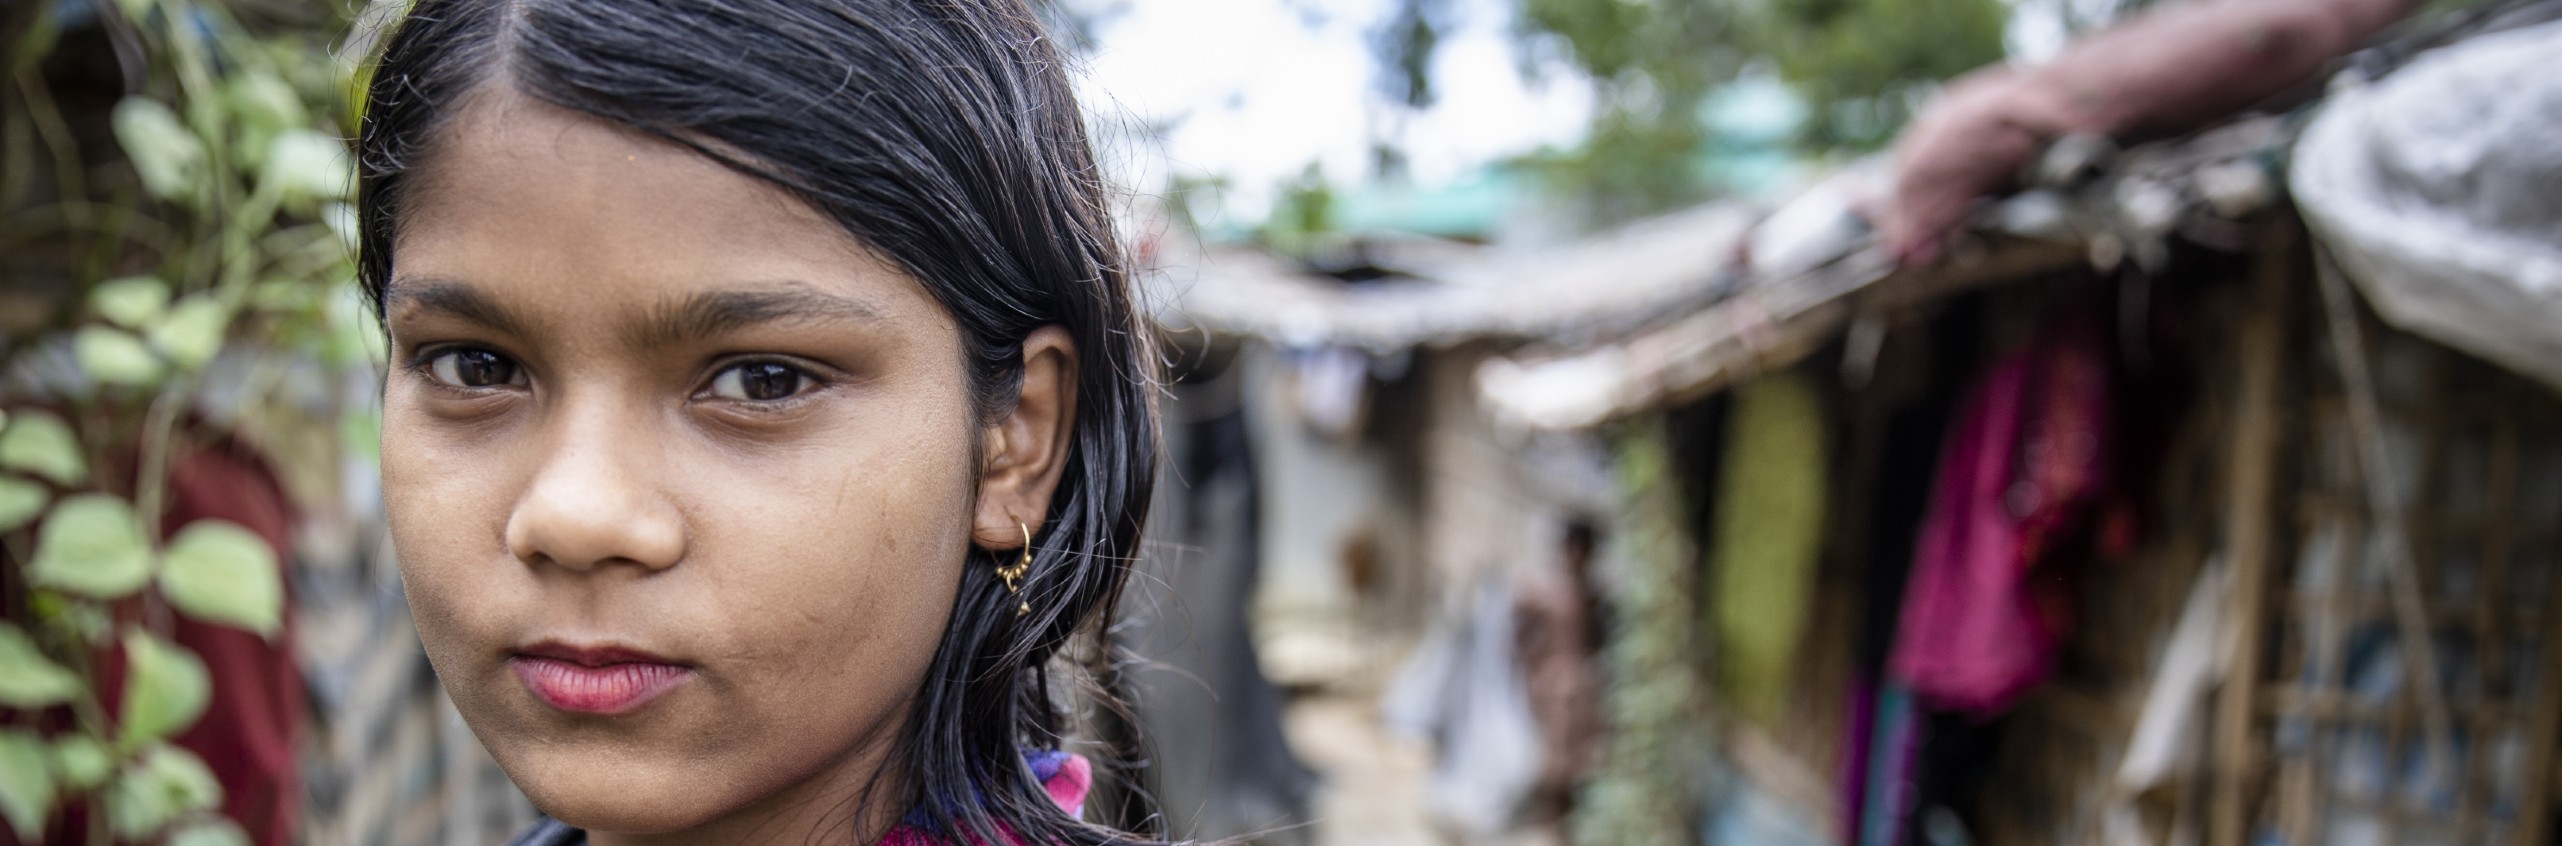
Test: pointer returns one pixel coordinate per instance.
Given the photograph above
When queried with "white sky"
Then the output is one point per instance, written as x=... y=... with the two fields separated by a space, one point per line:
x=1255 y=90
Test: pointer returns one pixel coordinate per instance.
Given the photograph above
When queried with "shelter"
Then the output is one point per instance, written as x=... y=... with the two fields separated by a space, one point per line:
x=2115 y=527
x=2137 y=507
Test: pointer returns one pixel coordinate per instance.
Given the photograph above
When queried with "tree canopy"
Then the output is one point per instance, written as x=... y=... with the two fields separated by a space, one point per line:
x=1862 y=67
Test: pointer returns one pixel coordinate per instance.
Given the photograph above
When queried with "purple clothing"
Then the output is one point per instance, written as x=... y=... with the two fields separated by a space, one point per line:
x=2026 y=469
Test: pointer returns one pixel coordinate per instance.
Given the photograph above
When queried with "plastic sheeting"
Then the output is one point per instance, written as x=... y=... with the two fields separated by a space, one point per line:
x=2439 y=190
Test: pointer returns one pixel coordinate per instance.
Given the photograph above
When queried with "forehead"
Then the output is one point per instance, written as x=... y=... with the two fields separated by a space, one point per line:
x=526 y=196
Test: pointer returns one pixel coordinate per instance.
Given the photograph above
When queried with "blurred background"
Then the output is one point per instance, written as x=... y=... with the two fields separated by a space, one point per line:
x=1588 y=421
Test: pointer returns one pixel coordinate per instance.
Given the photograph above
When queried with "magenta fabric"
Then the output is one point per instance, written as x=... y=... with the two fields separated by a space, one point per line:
x=1066 y=777
x=2025 y=469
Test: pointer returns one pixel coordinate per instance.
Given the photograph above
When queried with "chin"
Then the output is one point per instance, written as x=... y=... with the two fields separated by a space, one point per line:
x=613 y=798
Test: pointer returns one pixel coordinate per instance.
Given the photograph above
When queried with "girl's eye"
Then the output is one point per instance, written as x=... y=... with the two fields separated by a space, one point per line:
x=759 y=381
x=473 y=369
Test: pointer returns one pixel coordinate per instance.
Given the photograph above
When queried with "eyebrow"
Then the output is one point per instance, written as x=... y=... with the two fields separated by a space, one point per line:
x=710 y=314
x=696 y=317
x=451 y=298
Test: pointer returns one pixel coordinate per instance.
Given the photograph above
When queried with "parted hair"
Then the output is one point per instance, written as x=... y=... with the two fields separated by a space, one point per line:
x=941 y=134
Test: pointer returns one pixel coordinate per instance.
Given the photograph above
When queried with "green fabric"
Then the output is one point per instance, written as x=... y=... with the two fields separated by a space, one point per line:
x=1768 y=534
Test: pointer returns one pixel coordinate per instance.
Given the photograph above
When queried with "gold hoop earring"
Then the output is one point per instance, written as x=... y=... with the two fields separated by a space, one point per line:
x=1013 y=573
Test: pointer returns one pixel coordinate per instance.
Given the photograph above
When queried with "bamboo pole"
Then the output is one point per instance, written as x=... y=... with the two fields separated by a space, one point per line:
x=2250 y=509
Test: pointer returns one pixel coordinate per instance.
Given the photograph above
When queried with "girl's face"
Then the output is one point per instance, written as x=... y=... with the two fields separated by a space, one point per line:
x=681 y=476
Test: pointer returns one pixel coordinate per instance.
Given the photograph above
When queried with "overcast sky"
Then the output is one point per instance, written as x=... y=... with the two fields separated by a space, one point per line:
x=1255 y=90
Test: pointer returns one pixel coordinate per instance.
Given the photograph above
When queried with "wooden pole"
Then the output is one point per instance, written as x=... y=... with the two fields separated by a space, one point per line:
x=2249 y=542
x=2535 y=797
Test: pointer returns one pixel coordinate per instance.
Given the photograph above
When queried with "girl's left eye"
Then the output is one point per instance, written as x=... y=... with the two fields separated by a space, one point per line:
x=759 y=381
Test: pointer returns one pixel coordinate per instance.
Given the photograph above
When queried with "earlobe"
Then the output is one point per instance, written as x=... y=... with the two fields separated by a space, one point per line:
x=1027 y=450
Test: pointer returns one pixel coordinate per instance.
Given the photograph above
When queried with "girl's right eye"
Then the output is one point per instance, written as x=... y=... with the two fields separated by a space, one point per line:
x=469 y=369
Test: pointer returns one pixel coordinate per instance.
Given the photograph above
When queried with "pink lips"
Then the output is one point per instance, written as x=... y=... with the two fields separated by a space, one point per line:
x=595 y=680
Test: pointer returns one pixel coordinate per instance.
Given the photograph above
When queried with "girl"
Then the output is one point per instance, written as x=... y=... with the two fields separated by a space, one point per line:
x=767 y=408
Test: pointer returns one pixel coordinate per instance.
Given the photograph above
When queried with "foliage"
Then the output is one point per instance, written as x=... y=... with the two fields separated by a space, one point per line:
x=1302 y=215
x=1864 y=65
x=1656 y=741
x=1651 y=65
x=1405 y=44
x=194 y=211
x=1861 y=65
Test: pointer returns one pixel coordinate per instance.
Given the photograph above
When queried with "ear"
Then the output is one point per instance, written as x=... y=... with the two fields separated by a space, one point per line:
x=1025 y=453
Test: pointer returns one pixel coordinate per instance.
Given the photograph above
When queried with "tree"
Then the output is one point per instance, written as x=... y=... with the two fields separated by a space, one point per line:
x=1861 y=65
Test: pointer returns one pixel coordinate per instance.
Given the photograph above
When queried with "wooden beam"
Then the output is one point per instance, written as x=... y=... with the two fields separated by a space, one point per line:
x=2250 y=528
x=2536 y=790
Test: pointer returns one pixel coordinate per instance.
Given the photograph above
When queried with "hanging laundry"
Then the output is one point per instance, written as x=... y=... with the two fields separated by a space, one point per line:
x=1768 y=536
x=2169 y=736
x=2024 y=475
x=1463 y=689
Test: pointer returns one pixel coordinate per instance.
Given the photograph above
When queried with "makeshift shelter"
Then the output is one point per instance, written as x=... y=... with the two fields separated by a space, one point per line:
x=1384 y=495
x=2139 y=526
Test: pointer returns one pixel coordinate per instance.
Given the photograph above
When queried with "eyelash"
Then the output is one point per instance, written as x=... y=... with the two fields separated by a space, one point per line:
x=803 y=381
x=433 y=363
x=443 y=366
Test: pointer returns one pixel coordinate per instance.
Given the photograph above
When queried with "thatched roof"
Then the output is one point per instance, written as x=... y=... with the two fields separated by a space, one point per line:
x=2108 y=207
x=1584 y=292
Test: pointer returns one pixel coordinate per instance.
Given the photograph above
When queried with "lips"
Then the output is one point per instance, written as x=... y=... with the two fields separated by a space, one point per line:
x=595 y=680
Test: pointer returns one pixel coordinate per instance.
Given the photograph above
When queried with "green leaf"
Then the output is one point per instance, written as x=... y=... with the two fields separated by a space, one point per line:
x=28 y=679
x=218 y=572
x=93 y=546
x=164 y=152
x=115 y=357
x=83 y=619
x=164 y=784
x=40 y=443
x=189 y=784
x=26 y=783
x=264 y=102
x=193 y=332
x=307 y=163
x=341 y=220
x=81 y=762
x=135 y=805
x=210 y=831
x=281 y=295
x=20 y=501
x=132 y=301
x=135 y=10
x=355 y=337
x=165 y=690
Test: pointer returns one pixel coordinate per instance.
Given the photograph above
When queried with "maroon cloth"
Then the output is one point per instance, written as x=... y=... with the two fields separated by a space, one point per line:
x=252 y=728
x=2026 y=469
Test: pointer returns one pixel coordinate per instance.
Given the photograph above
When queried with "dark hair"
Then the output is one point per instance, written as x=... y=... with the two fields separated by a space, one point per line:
x=941 y=134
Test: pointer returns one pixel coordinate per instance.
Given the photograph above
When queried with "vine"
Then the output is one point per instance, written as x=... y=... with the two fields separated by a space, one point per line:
x=184 y=242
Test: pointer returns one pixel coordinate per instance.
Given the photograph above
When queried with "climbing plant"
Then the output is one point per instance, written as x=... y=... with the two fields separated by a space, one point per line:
x=173 y=221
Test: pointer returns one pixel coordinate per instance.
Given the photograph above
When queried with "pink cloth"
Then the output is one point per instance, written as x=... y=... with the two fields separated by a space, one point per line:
x=1068 y=787
x=2026 y=470
x=1067 y=778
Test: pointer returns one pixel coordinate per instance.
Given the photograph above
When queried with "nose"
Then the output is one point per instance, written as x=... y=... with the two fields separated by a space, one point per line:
x=595 y=501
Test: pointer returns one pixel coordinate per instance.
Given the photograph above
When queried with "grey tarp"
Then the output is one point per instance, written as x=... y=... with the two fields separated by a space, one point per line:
x=2439 y=190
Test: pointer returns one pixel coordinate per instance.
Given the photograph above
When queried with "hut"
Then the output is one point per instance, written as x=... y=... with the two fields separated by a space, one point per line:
x=2148 y=515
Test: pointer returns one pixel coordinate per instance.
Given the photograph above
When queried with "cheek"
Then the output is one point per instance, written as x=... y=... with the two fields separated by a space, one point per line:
x=847 y=564
x=446 y=508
